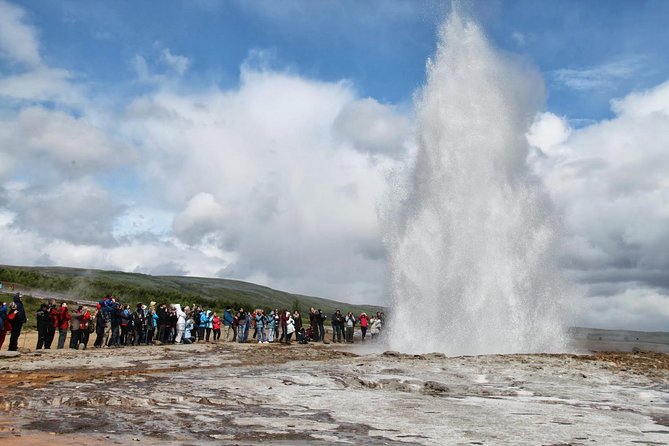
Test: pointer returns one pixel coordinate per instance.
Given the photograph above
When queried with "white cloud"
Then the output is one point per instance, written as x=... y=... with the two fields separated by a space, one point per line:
x=548 y=131
x=373 y=128
x=202 y=216
x=68 y=143
x=79 y=212
x=261 y=169
x=604 y=76
x=18 y=41
x=609 y=180
x=178 y=63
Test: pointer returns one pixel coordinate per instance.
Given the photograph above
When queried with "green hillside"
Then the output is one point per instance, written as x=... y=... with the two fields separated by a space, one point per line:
x=75 y=284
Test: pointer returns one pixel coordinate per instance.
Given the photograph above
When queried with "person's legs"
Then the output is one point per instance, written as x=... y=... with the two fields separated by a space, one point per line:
x=50 y=333
x=14 y=337
x=62 y=337
x=41 y=338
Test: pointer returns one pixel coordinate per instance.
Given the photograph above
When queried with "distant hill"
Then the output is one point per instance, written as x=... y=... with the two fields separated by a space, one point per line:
x=77 y=284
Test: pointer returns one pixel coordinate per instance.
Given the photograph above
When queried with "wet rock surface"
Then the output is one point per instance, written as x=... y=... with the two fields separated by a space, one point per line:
x=323 y=394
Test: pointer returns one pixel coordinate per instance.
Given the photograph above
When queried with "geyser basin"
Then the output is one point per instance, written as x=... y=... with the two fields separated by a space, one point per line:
x=471 y=242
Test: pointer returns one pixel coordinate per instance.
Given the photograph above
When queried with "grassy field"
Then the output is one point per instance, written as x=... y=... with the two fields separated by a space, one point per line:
x=76 y=285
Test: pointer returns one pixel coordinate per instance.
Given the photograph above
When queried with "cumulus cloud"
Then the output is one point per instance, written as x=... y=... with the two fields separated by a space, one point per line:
x=79 y=212
x=262 y=171
x=374 y=128
x=18 y=40
x=68 y=143
x=609 y=180
x=202 y=216
x=271 y=181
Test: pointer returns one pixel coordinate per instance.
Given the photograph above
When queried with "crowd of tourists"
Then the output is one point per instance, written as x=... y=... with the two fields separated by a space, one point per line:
x=113 y=324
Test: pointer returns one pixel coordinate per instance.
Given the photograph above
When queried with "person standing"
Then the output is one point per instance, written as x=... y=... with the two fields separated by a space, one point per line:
x=3 y=323
x=290 y=327
x=17 y=323
x=321 y=317
x=313 y=323
x=64 y=318
x=350 y=326
x=260 y=326
x=337 y=326
x=228 y=319
x=75 y=327
x=216 y=326
x=297 y=320
x=241 y=325
x=100 y=325
x=43 y=321
x=52 y=310
x=364 y=323
x=85 y=328
x=181 y=323
x=283 y=320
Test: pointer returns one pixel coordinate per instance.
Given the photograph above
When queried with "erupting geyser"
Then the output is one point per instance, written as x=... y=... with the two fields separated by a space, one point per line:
x=471 y=241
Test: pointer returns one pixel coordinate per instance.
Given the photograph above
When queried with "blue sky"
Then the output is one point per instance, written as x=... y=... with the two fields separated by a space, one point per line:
x=254 y=139
x=381 y=47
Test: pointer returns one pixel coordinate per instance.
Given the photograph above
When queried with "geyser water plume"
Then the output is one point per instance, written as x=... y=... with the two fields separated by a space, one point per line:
x=470 y=243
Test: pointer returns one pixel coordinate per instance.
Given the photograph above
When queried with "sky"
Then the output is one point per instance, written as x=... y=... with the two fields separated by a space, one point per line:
x=255 y=140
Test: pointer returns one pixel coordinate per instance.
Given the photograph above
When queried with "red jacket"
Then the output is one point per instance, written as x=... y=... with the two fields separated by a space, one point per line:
x=85 y=320
x=64 y=319
x=53 y=317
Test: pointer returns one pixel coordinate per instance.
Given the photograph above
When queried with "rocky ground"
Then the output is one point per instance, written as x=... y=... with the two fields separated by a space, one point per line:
x=325 y=394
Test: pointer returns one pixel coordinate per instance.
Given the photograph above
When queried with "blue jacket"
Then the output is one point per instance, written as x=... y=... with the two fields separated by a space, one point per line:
x=228 y=318
x=205 y=321
x=260 y=321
